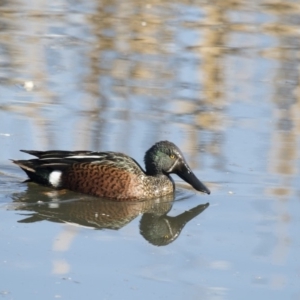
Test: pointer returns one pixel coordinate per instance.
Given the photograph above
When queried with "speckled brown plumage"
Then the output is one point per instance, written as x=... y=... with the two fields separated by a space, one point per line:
x=112 y=175
x=103 y=181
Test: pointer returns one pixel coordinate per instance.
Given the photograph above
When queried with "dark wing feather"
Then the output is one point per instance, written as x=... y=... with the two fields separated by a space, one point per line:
x=56 y=153
x=65 y=158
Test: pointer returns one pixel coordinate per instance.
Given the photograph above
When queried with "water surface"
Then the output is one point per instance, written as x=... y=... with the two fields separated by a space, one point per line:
x=220 y=80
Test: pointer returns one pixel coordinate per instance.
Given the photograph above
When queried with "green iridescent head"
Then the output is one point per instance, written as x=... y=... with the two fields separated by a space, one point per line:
x=166 y=158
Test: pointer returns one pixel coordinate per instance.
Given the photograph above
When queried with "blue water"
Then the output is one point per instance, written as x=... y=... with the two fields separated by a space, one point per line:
x=221 y=82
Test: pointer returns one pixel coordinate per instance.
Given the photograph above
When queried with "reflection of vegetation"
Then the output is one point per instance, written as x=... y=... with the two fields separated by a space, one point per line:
x=121 y=64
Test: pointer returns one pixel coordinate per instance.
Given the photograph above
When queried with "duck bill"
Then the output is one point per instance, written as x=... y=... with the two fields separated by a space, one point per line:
x=187 y=175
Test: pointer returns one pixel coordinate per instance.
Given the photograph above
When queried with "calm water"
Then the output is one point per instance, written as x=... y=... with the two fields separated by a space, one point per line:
x=219 y=79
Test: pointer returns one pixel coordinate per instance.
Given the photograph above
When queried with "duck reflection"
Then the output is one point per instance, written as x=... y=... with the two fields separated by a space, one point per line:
x=161 y=230
x=66 y=207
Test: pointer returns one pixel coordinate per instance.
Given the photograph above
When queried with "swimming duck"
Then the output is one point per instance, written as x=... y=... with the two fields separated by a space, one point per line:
x=111 y=175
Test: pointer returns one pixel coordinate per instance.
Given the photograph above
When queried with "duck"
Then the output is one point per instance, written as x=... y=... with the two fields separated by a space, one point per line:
x=111 y=175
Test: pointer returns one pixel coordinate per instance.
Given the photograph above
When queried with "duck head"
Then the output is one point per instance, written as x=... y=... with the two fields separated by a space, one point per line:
x=166 y=158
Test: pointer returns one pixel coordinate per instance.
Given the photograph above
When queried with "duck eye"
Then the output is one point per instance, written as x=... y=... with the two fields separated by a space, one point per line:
x=172 y=156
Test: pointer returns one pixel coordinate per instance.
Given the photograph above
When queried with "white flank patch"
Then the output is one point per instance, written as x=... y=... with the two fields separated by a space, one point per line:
x=54 y=178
